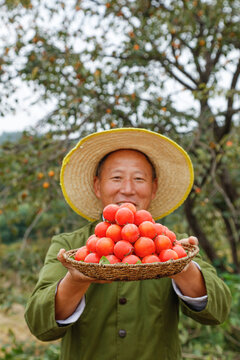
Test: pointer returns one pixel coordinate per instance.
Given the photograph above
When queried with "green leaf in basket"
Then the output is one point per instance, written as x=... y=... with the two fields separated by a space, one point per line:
x=104 y=260
x=138 y=262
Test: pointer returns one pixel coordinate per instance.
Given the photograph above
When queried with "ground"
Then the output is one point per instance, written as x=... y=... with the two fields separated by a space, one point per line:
x=13 y=321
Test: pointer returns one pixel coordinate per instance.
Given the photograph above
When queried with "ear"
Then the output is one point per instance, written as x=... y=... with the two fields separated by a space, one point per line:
x=96 y=186
x=154 y=188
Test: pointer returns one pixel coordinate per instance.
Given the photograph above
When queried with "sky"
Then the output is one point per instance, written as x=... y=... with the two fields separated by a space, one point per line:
x=16 y=122
x=26 y=114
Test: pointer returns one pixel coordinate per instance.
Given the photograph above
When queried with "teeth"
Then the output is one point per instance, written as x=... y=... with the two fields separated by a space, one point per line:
x=125 y=202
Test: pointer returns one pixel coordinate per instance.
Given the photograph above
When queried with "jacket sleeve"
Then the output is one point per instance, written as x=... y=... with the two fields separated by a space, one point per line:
x=219 y=298
x=40 y=309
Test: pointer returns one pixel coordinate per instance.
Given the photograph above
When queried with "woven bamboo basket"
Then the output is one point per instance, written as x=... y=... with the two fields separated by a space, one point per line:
x=127 y=272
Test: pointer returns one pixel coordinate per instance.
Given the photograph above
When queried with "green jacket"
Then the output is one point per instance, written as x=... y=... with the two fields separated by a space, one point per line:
x=121 y=320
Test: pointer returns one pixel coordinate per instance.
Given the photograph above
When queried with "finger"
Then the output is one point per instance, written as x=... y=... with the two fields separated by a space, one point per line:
x=60 y=255
x=184 y=241
x=193 y=240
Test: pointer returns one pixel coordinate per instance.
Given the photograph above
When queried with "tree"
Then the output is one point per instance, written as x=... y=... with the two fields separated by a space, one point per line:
x=171 y=66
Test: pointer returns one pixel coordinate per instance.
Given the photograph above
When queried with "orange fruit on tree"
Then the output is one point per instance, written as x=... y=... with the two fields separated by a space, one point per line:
x=40 y=175
x=51 y=173
x=24 y=195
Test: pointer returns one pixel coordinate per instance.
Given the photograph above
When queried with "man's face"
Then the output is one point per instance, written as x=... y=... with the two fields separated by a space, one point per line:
x=126 y=176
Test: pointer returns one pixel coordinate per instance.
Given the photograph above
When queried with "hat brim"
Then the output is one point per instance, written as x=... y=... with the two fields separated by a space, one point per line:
x=173 y=167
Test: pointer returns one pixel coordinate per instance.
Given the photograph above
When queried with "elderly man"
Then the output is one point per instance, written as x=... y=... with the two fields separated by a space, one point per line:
x=122 y=320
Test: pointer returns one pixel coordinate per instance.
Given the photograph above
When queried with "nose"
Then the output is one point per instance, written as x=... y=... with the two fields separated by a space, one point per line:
x=127 y=187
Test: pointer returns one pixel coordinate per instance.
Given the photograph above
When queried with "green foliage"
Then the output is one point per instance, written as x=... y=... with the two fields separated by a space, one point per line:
x=19 y=270
x=19 y=350
x=9 y=136
x=214 y=342
x=142 y=64
x=14 y=223
x=19 y=274
x=13 y=226
x=172 y=67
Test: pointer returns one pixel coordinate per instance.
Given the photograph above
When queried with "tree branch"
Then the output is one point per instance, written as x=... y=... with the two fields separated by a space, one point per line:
x=197 y=230
x=28 y=231
x=163 y=60
x=229 y=112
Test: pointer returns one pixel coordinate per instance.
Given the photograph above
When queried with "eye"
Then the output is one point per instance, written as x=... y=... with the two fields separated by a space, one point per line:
x=138 y=178
x=116 y=178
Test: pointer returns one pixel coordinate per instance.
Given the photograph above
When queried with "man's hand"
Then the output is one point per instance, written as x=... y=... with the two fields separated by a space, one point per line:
x=192 y=240
x=76 y=275
x=71 y=289
x=190 y=280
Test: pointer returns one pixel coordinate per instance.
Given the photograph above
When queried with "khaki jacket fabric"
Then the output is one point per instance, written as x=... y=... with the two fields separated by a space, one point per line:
x=121 y=320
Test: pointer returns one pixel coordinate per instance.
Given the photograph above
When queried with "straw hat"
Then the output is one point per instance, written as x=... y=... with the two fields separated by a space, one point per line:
x=173 y=167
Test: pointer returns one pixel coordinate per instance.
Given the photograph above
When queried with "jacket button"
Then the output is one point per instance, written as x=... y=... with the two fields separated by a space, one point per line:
x=122 y=301
x=122 y=333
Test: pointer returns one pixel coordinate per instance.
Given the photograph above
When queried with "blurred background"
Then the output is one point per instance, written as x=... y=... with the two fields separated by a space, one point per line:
x=69 y=68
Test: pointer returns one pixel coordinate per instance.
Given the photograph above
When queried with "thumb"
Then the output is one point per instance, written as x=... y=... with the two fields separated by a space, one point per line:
x=193 y=240
x=60 y=255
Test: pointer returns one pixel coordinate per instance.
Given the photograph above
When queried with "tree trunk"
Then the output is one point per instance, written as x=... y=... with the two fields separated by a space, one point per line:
x=196 y=228
x=233 y=245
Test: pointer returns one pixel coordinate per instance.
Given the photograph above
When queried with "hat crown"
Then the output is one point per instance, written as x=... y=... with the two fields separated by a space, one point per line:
x=172 y=164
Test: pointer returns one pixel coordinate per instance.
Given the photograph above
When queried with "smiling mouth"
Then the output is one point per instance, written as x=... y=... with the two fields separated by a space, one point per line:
x=125 y=202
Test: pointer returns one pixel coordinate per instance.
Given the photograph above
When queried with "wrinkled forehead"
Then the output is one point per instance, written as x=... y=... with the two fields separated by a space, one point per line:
x=121 y=153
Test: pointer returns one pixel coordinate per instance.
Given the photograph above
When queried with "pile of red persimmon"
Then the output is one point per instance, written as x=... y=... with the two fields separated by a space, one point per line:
x=129 y=236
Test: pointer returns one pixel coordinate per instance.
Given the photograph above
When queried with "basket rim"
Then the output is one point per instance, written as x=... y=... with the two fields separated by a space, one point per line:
x=132 y=272
x=193 y=249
